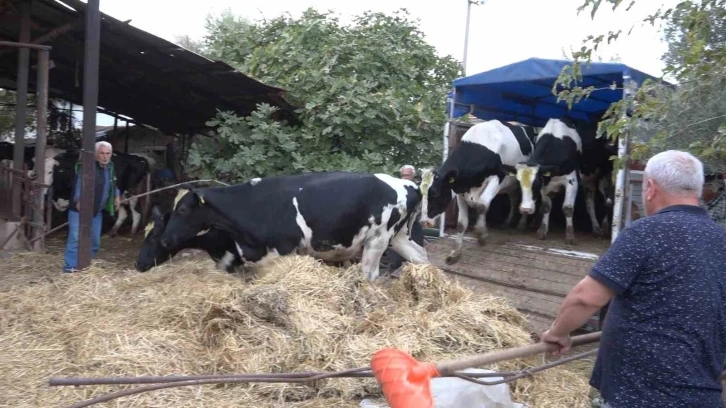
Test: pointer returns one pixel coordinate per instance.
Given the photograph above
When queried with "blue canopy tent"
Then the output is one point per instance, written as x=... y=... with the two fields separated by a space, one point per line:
x=522 y=92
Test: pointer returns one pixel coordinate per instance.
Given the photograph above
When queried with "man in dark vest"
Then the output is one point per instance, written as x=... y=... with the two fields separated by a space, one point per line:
x=106 y=196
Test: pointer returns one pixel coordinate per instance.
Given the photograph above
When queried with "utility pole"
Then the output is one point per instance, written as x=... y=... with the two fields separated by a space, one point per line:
x=466 y=34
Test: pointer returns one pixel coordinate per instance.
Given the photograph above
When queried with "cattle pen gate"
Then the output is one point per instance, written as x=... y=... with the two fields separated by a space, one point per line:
x=534 y=275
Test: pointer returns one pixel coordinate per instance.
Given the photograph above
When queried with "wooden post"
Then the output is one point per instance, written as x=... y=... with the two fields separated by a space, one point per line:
x=21 y=105
x=41 y=127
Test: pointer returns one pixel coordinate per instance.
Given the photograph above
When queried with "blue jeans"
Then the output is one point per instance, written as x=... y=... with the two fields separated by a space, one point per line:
x=71 y=256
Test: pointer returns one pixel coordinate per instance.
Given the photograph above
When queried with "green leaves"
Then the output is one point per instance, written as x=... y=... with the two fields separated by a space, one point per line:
x=372 y=95
x=691 y=117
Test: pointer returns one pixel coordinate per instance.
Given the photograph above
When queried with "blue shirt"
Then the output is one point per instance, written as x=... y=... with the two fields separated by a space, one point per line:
x=664 y=338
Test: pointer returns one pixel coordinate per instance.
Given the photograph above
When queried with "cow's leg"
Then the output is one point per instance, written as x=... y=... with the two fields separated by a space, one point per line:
x=226 y=263
x=461 y=226
x=492 y=188
x=604 y=186
x=122 y=215
x=590 y=204
x=135 y=215
x=515 y=197
x=408 y=248
x=545 y=210
x=372 y=252
x=568 y=206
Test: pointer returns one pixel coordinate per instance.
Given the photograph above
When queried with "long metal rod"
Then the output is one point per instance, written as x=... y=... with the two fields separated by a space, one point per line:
x=178 y=381
x=40 y=140
x=21 y=96
x=25 y=45
x=90 y=103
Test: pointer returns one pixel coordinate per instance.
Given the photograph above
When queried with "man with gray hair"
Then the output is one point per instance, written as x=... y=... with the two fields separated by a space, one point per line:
x=664 y=338
x=106 y=195
x=408 y=172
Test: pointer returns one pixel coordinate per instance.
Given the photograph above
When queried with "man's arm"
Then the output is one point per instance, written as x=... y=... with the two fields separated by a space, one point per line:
x=612 y=275
x=583 y=301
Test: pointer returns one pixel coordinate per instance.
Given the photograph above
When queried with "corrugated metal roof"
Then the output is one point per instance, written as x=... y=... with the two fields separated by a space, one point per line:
x=141 y=76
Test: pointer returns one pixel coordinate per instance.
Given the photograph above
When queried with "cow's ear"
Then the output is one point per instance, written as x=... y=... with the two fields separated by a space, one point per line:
x=156 y=213
x=510 y=170
x=200 y=198
x=451 y=176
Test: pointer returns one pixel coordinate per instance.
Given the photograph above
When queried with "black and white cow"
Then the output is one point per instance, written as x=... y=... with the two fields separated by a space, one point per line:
x=333 y=216
x=474 y=173
x=131 y=170
x=554 y=165
x=596 y=172
x=217 y=243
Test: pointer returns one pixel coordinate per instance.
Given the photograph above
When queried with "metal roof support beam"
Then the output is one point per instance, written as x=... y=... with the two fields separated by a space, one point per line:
x=90 y=102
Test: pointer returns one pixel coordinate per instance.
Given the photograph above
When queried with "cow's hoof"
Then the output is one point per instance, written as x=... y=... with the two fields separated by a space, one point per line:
x=570 y=236
x=542 y=233
x=481 y=236
x=605 y=228
x=112 y=234
x=453 y=258
x=598 y=231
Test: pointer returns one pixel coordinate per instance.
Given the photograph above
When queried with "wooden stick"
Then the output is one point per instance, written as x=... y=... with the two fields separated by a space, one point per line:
x=510 y=354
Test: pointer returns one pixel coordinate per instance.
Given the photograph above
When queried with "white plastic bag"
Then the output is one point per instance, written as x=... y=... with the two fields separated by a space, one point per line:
x=452 y=392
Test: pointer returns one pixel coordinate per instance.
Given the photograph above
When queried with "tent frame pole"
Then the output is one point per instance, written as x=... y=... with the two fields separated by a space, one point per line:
x=448 y=128
x=623 y=173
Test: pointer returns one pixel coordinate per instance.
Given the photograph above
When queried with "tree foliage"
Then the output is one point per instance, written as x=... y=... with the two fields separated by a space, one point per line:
x=372 y=95
x=59 y=121
x=690 y=116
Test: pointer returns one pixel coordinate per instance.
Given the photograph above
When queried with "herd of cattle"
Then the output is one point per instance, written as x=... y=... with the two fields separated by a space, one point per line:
x=341 y=216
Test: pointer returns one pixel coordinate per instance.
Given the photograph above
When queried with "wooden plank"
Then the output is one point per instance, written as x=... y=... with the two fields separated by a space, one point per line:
x=513 y=279
x=534 y=279
x=519 y=257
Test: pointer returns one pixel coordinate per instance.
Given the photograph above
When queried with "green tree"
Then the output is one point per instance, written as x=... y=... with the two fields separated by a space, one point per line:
x=191 y=44
x=225 y=38
x=691 y=116
x=372 y=96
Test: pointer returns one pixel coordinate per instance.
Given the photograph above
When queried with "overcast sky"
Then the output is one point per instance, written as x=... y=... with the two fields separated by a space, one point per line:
x=501 y=31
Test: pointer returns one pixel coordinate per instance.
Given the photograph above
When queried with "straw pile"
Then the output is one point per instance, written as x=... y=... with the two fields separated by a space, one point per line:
x=296 y=315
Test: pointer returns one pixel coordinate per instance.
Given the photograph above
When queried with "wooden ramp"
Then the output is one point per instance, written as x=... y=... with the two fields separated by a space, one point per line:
x=534 y=275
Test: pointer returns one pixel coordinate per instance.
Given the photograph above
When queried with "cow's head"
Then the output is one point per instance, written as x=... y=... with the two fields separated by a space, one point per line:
x=152 y=253
x=190 y=217
x=437 y=194
x=532 y=178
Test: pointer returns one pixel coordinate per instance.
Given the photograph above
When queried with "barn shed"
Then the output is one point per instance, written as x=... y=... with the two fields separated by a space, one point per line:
x=68 y=50
x=535 y=275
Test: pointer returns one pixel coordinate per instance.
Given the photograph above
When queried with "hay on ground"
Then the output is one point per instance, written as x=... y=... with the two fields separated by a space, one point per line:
x=296 y=315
